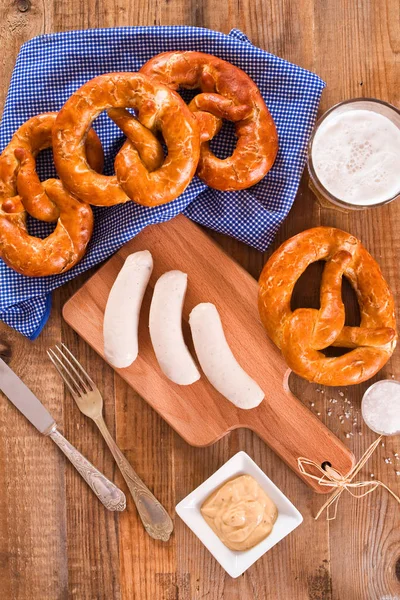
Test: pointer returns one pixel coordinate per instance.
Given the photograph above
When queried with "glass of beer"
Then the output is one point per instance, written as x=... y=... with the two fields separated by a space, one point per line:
x=354 y=155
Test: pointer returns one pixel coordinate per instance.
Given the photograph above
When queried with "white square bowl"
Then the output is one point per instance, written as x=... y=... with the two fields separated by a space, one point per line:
x=236 y=563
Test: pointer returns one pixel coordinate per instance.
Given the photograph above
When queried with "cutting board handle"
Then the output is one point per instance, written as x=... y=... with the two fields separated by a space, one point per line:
x=292 y=430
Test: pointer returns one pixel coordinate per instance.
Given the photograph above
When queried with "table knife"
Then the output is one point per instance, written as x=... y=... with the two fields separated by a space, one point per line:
x=27 y=403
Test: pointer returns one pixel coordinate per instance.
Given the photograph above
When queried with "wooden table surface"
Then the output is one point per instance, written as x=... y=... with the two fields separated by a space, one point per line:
x=56 y=540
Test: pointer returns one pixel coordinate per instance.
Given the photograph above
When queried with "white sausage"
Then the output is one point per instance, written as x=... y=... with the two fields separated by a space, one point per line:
x=121 y=317
x=217 y=361
x=165 y=324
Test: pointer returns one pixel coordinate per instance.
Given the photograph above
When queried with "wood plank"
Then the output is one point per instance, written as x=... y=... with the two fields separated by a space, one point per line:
x=373 y=523
x=146 y=566
x=355 y=48
x=92 y=532
x=33 y=535
x=19 y=23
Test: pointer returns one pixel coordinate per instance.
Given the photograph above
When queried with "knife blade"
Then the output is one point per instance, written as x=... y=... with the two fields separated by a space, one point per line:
x=31 y=407
x=23 y=399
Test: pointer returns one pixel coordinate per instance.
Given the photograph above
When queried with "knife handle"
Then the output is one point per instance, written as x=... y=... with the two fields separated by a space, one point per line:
x=108 y=493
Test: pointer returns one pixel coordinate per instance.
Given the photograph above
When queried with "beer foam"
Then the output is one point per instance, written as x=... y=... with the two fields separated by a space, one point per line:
x=356 y=156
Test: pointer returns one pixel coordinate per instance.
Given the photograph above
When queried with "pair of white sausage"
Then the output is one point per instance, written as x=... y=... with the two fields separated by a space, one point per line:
x=121 y=319
x=165 y=323
x=213 y=352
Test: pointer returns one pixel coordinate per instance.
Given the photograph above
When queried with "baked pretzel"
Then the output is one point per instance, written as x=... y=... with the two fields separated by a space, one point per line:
x=146 y=144
x=228 y=93
x=21 y=192
x=159 y=109
x=302 y=334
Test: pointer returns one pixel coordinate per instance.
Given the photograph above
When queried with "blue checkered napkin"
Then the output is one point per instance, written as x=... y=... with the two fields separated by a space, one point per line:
x=50 y=68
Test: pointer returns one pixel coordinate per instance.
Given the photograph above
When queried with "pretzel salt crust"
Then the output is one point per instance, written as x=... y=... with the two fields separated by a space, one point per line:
x=22 y=192
x=230 y=94
x=159 y=109
x=303 y=333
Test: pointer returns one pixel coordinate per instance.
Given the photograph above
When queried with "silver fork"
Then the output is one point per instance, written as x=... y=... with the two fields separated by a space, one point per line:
x=155 y=518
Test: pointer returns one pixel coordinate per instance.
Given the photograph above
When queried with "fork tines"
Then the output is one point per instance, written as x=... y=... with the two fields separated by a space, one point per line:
x=73 y=374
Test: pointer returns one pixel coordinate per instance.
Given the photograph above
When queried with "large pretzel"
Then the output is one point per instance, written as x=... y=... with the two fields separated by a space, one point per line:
x=22 y=192
x=303 y=333
x=230 y=94
x=159 y=109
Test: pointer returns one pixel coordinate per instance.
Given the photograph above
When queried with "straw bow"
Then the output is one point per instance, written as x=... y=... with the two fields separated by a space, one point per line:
x=332 y=478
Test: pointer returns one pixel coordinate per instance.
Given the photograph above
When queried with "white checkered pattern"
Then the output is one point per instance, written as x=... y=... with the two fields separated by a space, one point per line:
x=50 y=68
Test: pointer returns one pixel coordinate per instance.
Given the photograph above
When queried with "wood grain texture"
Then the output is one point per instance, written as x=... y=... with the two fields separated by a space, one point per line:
x=198 y=412
x=71 y=549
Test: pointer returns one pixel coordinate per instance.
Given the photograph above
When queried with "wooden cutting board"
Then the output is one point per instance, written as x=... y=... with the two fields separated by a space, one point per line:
x=198 y=412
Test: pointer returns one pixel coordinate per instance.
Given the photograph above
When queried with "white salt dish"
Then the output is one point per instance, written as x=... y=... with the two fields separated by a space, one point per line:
x=380 y=407
x=236 y=563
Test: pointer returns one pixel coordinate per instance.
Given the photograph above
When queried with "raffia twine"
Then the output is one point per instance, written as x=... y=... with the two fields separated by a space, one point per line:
x=332 y=478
